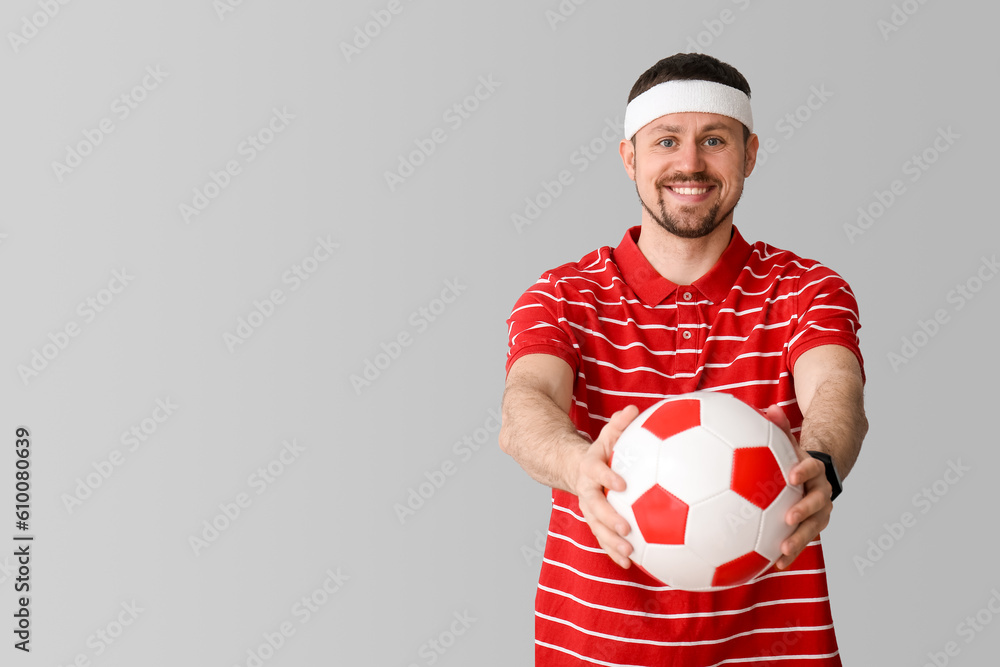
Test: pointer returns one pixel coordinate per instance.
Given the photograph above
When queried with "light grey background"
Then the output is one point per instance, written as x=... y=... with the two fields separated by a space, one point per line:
x=470 y=550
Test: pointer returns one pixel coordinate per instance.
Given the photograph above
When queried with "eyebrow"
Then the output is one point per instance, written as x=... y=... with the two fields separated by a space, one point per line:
x=677 y=129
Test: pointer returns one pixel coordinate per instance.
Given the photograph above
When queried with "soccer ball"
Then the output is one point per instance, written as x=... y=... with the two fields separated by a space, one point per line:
x=707 y=490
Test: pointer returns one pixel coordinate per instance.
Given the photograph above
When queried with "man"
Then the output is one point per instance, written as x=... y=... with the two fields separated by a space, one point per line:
x=682 y=303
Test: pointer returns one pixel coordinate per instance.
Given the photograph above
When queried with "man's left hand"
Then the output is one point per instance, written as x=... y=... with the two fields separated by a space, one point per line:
x=812 y=513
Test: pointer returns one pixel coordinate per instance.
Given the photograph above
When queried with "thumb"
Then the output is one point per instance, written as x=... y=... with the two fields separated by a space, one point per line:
x=777 y=416
x=619 y=422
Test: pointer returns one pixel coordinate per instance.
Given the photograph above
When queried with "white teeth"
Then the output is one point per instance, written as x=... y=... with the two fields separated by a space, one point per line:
x=690 y=191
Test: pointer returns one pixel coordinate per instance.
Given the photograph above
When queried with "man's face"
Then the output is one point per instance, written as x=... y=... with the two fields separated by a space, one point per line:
x=689 y=170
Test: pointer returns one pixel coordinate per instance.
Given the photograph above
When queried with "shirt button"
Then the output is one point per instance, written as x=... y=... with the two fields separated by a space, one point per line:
x=686 y=335
x=687 y=296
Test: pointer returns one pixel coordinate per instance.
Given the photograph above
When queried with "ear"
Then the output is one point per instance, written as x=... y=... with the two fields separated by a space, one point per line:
x=627 y=151
x=753 y=144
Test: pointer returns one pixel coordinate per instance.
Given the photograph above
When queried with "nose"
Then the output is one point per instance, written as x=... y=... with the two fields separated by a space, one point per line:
x=690 y=159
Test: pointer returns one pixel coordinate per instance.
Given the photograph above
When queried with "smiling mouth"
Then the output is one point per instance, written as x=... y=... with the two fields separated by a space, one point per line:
x=689 y=191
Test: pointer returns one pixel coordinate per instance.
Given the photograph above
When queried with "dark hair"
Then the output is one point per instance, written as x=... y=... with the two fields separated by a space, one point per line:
x=696 y=66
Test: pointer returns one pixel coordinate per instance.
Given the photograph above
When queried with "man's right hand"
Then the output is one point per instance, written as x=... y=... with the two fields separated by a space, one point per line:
x=538 y=433
x=593 y=475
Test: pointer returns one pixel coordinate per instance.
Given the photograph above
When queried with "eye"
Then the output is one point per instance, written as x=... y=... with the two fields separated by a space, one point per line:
x=713 y=141
x=667 y=143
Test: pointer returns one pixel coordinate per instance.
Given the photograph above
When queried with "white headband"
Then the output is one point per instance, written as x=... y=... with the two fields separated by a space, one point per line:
x=686 y=95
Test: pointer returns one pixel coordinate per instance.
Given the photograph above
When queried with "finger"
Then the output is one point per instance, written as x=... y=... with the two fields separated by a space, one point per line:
x=613 y=544
x=596 y=506
x=777 y=416
x=809 y=469
x=793 y=545
x=607 y=525
x=815 y=501
x=597 y=470
x=626 y=415
x=612 y=480
x=812 y=515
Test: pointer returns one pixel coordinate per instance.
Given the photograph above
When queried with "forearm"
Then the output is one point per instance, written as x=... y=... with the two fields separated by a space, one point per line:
x=834 y=421
x=540 y=436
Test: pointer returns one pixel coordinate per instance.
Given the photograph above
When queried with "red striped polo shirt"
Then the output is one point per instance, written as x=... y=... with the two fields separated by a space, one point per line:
x=633 y=337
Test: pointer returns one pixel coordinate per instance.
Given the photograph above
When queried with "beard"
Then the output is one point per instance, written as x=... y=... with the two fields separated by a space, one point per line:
x=686 y=224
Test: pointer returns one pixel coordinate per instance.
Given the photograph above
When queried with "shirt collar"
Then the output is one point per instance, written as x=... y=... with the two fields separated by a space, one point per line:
x=653 y=288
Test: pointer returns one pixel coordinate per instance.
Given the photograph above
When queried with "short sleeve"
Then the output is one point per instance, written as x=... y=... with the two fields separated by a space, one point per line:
x=537 y=325
x=827 y=313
